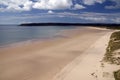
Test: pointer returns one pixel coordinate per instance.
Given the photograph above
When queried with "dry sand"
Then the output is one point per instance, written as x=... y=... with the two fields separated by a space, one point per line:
x=42 y=61
x=90 y=66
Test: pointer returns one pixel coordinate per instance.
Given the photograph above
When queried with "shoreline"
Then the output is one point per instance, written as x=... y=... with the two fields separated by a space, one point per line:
x=62 y=35
x=41 y=61
x=59 y=35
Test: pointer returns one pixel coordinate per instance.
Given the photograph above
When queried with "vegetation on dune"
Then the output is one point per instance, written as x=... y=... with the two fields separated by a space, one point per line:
x=117 y=75
x=113 y=27
x=114 y=45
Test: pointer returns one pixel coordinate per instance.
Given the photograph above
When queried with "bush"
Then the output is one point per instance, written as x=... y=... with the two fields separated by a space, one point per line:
x=117 y=75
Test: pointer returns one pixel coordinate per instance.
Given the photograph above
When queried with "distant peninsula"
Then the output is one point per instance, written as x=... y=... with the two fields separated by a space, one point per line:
x=111 y=25
x=68 y=24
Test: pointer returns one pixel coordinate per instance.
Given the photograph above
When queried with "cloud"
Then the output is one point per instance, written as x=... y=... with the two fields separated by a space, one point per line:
x=78 y=6
x=92 y=17
x=83 y=16
x=53 y=4
x=117 y=20
x=47 y=17
x=19 y=5
x=116 y=6
x=26 y=5
x=50 y=12
x=92 y=2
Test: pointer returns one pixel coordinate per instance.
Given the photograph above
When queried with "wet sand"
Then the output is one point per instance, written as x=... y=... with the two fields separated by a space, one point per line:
x=43 y=60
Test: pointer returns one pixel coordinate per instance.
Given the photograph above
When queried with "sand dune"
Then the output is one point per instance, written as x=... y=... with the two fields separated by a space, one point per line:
x=42 y=61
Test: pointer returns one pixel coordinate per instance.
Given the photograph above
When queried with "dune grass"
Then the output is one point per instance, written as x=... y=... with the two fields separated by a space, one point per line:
x=117 y=75
x=114 y=44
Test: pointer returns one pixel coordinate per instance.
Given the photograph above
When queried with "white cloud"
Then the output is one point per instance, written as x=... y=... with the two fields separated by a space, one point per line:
x=1 y=9
x=25 y=5
x=92 y=17
x=95 y=18
x=53 y=4
x=117 y=20
x=78 y=6
x=83 y=16
x=92 y=2
x=50 y=12
x=117 y=6
x=19 y=5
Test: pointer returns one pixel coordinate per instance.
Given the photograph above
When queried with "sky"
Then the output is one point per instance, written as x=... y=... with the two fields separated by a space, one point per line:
x=73 y=11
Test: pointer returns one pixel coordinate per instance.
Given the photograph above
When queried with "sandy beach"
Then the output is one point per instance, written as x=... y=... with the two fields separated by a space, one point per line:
x=57 y=59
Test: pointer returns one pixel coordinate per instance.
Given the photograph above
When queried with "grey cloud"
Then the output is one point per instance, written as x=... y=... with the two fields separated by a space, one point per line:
x=116 y=6
x=85 y=16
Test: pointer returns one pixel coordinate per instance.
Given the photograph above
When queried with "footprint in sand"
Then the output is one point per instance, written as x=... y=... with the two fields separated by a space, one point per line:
x=94 y=75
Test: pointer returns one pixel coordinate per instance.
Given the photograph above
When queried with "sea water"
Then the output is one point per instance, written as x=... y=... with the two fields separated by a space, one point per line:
x=15 y=34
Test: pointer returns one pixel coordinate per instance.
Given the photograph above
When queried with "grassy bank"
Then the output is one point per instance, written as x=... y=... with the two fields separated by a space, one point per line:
x=112 y=53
